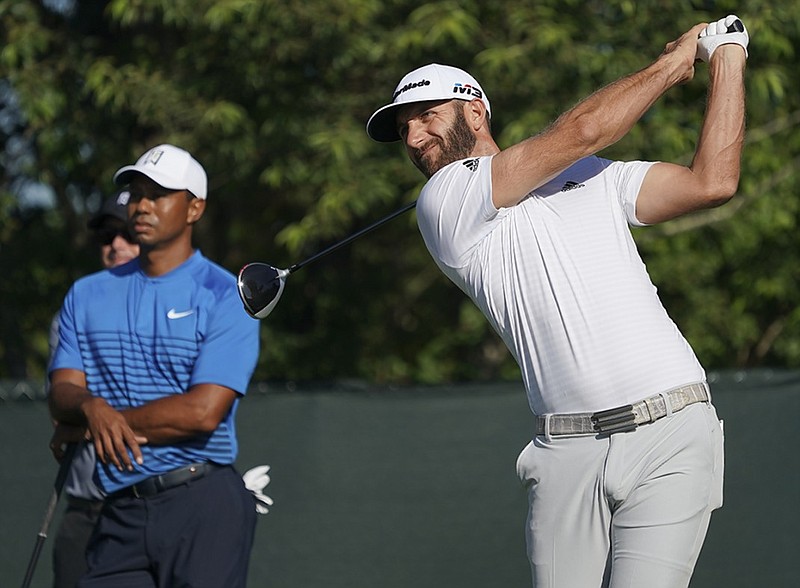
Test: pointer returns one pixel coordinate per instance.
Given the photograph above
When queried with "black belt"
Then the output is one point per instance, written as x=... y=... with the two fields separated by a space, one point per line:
x=157 y=484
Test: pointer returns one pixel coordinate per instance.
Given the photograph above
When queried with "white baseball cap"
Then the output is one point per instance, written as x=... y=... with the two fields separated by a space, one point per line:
x=170 y=167
x=429 y=82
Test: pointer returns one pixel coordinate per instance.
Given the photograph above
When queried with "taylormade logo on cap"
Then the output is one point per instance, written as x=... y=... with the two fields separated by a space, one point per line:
x=458 y=90
x=409 y=87
x=430 y=82
x=170 y=167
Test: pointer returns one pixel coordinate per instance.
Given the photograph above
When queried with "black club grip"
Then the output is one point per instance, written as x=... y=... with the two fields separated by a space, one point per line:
x=735 y=27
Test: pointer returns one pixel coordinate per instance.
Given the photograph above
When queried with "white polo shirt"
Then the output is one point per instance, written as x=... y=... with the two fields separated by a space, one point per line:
x=561 y=281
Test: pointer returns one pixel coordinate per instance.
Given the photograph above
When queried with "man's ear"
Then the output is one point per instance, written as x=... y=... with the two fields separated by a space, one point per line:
x=197 y=206
x=475 y=113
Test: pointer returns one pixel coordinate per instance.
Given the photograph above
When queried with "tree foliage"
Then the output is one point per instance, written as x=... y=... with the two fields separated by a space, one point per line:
x=272 y=97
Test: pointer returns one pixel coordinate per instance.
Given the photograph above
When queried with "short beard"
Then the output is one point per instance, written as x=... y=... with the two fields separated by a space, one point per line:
x=458 y=144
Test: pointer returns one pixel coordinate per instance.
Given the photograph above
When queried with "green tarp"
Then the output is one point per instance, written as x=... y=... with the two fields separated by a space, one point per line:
x=416 y=487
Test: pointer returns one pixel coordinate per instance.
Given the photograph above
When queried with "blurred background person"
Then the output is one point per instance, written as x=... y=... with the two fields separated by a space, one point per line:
x=109 y=229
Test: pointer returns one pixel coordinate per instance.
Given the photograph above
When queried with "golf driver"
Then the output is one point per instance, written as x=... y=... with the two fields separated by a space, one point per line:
x=61 y=477
x=261 y=285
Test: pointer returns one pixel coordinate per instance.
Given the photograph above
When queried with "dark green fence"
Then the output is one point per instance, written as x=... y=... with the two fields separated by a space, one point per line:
x=415 y=487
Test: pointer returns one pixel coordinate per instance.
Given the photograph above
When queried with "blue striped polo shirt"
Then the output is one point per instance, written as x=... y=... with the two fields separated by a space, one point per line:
x=139 y=338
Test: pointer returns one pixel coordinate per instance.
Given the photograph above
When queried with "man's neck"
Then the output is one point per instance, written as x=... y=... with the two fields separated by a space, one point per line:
x=157 y=262
x=485 y=145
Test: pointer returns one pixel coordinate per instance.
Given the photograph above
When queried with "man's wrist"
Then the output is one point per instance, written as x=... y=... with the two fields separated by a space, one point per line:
x=670 y=69
x=89 y=404
x=727 y=60
x=730 y=52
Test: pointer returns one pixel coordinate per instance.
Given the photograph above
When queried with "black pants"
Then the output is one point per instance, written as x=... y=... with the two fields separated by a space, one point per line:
x=199 y=534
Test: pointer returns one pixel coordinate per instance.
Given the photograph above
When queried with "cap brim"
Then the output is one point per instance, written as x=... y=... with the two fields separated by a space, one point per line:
x=125 y=174
x=97 y=220
x=382 y=125
x=110 y=209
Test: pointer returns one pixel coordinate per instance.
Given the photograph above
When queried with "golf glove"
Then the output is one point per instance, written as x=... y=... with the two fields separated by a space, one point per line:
x=255 y=480
x=716 y=34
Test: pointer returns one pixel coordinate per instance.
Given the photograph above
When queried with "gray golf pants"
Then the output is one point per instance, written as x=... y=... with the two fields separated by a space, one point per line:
x=623 y=511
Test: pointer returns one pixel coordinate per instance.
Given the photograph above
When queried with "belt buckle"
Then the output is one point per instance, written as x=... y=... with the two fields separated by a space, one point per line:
x=615 y=420
x=135 y=491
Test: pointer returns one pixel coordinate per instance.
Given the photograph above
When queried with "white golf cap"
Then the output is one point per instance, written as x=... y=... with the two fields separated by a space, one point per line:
x=430 y=82
x=170 y=167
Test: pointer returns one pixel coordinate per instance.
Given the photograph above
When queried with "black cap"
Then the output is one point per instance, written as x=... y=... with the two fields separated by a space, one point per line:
x=111 y=207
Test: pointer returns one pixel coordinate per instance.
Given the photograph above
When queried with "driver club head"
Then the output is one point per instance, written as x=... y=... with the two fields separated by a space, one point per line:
x=260 y=287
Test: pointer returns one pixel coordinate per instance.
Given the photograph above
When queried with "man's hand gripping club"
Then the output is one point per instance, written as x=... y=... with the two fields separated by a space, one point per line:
x=725 y=31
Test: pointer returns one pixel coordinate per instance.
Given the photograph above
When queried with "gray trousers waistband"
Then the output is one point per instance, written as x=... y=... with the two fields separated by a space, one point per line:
x=622 y=418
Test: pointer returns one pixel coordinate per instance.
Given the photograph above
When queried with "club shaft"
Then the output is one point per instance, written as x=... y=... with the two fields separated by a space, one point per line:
x=352 y=237
x=63 y=470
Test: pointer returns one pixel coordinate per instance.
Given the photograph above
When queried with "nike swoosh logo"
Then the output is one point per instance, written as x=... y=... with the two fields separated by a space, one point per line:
x=174 y=314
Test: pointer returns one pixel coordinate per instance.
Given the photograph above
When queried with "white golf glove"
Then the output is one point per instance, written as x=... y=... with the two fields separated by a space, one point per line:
x=716 y=34
x=255 y=480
